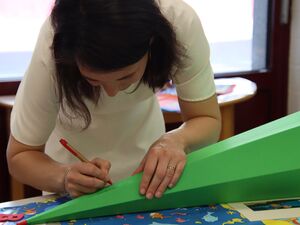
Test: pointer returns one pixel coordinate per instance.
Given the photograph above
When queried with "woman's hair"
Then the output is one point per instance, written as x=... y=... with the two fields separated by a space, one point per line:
x=107 y=35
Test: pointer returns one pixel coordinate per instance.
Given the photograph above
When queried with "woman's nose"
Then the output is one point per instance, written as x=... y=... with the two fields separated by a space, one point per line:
x=111 y=90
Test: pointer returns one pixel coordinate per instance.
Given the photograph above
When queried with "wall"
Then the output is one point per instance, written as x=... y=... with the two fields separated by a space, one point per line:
x=294 y=63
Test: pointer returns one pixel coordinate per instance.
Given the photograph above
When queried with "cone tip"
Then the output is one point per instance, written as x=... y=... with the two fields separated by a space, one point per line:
x=23 y=222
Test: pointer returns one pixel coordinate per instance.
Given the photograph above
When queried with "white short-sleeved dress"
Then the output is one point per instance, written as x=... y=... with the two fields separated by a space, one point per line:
x=124 y=126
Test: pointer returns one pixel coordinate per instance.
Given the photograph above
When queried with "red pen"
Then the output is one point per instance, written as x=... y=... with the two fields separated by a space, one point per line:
x=76 y=153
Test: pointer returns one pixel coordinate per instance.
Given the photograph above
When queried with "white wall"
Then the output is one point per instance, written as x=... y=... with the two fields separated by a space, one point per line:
x=294 y=61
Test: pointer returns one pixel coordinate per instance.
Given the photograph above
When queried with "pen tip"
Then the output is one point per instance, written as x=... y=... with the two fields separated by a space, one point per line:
x=23 y=222
x=63 y=141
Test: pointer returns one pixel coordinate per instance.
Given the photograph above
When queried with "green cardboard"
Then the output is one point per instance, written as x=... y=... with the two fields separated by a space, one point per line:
x=259 y=164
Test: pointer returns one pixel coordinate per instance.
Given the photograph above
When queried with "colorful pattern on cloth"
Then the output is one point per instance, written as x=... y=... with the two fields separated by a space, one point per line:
x=168 y=99
x=213 y=214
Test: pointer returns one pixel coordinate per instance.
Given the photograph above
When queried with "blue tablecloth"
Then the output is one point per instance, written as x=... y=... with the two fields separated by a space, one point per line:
x=212 y=214
x=217 y=214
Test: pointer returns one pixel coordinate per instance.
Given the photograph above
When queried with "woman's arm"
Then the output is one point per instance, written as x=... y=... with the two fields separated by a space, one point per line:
x=166 y=158
x=202 y=123
x=31 y=166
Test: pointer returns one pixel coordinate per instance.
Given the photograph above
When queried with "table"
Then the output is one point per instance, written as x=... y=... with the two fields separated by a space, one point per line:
x=251 y=213
x=243 y=89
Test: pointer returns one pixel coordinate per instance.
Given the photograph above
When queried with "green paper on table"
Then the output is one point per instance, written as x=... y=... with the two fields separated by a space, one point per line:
x=259 y=164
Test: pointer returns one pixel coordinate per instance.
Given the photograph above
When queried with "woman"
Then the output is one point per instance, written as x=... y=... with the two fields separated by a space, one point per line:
x=92 y=80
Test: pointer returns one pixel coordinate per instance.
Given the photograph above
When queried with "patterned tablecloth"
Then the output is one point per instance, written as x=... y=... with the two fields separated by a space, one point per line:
x=212 y=214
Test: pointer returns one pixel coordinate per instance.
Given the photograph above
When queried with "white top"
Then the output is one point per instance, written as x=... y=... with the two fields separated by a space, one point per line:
x=124 y=126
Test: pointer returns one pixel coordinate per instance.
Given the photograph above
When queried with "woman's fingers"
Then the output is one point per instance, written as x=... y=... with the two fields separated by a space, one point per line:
x=140 y=167
x=178 y=171
x=85 y=178
x=158 y=175
x=149 y=170
x=104 y=165
x=86 y=188
x=162 y=168
x=75 y=194
x=169 y=174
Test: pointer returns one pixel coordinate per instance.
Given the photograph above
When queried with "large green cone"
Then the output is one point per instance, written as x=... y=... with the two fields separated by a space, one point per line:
x=260 y=164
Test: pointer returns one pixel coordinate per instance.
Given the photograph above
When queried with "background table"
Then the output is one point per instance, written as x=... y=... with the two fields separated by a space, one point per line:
x=242 y=90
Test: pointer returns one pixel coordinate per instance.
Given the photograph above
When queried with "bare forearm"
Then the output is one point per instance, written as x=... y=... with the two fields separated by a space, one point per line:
x=30 y=165
x=38 y=170
x=198 y=132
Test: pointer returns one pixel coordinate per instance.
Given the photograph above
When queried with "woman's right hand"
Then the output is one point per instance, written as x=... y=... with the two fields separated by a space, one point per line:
x=83 y=178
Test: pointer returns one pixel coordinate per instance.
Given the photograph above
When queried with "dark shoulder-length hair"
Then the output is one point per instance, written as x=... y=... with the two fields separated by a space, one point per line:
x=108 y=35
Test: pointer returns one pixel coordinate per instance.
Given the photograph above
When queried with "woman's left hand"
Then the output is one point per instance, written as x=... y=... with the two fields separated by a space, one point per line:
x=162 y=165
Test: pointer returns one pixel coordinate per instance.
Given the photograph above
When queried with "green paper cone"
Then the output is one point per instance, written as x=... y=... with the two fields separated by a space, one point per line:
x=260 y=164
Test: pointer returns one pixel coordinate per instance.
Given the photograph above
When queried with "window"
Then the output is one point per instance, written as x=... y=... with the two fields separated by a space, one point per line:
x=236 y=31
x=20 y=22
